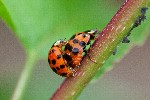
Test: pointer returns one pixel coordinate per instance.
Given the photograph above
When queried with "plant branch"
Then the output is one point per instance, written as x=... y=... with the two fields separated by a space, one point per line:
x=119 y=27
x=23 y=80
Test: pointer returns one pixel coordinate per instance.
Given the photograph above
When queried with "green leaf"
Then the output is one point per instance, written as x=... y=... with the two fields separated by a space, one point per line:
x=5 y=15
x=40 y=23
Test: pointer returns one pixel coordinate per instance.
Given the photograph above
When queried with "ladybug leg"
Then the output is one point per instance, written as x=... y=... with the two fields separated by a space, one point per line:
x=86 y=53
x=96 y=32
x=73 y=71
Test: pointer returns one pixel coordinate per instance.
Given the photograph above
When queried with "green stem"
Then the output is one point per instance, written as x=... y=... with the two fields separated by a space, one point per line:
x=119 y=26
x=23 y=80
x=148 y=3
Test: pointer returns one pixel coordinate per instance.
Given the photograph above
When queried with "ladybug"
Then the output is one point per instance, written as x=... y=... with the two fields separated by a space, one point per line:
x=75 y=48
x=56 y=61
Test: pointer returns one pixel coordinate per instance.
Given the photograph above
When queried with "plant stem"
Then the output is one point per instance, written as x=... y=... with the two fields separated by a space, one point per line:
x=119 y=27
x=148 y=3
x=23 y=80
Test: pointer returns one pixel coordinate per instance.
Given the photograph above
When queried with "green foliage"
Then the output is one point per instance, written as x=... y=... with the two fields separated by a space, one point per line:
x=37 y=24
x=5 y=15
x=40 y=23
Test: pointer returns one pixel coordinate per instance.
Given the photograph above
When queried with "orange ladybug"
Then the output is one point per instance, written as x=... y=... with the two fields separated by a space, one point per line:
x=75 y=48
x=56 y=61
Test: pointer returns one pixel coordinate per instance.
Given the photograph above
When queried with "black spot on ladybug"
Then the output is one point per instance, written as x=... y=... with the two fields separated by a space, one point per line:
x=62 y=66
x=49 y=53
x=54 y=69
x=57 y=68
x=64 y=74
x=69 y=47
x=82 y=44
x=75 y=51
x=84 y=35
x=59 y=56
x=67 y=57
x=53 y=61
x=49 y=61
x=53 y=50
x=75 y=41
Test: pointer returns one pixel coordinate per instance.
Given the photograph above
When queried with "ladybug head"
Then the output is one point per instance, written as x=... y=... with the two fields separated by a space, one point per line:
x=60 y=43
x=92 y=33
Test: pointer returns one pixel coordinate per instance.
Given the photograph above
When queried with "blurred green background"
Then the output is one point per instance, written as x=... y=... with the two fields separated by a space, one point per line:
x=35 y=25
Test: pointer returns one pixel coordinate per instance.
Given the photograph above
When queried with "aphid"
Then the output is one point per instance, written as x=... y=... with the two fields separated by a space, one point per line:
x=114 y=51
x=143 y=10
x=138 y=21
x=141 y=18
x=125 y=39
